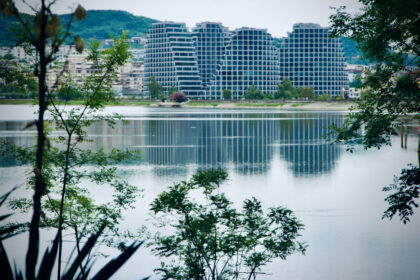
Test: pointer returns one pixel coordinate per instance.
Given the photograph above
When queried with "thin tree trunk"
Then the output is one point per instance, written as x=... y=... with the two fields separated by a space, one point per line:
x=78 y=251
x=418 y=151
x=63 y=192
x=402 y=133
x=33 y=247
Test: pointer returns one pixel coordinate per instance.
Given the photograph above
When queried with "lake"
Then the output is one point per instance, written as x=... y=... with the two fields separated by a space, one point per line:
x=281 y=158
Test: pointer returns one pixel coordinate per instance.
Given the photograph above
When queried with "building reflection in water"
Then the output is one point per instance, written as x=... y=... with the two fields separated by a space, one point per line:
x=246 y=141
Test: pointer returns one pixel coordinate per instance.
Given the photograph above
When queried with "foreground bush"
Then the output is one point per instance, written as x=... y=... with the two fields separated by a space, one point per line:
x=206 y=238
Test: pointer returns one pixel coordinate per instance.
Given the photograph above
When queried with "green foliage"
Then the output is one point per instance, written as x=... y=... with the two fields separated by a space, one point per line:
x=16 y=78
x=324 y=96
x=406 y=190
x=59 y=165
x=253 y=93
x=154 y=87
x=209 y=239
x=357 y=82
x=387 y=33
x=227 y=94
x=267 y=96
x=68 y=92
x=9 y=56
x=352 y=53
x=387 y=97
x=285 y=90
x=65 y=168
x=98 y=25
x=172 y=89
x=307 y=92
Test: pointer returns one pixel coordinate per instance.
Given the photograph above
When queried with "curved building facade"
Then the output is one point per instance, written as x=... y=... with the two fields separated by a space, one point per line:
x=171 y=58
x=310 y=59
x=210 y=41
x=250 y=58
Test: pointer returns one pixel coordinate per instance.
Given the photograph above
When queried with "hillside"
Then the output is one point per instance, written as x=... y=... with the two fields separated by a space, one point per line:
x=351 y=52
x=99 y=24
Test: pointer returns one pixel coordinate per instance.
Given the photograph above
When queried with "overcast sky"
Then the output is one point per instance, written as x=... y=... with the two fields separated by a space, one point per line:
x=277 y=16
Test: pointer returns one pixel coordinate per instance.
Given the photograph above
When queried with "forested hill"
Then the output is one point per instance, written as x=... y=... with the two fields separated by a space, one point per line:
x=98 y=25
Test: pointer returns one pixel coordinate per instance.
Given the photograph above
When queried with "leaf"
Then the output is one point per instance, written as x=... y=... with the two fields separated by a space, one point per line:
x=28 y=125
x=6 y=195
x=48 y=260
x=5 y=268
x=83 y=254
x=111 y=267
x=9 y=231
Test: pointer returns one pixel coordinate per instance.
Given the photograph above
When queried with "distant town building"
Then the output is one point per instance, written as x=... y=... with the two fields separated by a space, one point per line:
x=130 y=78
x=210 y=42
x=354 y=93
x=4 y=51
x=20 y=54
x=251 y=58
x=171 y=59
x=69 y=51
x=137 y=54
x=139 y=40
x=310 y=59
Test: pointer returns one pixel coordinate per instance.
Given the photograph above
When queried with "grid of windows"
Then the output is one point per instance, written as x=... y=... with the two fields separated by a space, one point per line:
x=210 y=42
x=251 y=58
x=171 y=58
x=210 y=59
x=310 y=59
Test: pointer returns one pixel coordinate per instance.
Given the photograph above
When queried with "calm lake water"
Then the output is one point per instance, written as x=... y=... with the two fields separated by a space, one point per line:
x=277 y=156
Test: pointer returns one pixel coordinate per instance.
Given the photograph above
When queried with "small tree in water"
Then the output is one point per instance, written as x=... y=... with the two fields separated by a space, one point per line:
x=212 y=240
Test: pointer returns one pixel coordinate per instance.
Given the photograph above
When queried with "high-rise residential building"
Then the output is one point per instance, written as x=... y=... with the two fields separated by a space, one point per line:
x=251 y=58
x=310 y=59
x=210 y=42
x=171 y=58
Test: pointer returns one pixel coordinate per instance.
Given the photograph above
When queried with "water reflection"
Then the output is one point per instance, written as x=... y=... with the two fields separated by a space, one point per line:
x=248 y=141
x=303 y=147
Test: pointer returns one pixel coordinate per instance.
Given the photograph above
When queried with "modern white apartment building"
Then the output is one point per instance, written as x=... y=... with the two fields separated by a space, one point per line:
x=310 y=59
x=171 y=59
x=251 y=58
x=210 y=59
x=210 y=40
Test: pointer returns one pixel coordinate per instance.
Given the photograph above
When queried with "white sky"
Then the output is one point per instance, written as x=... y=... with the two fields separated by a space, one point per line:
x=277 y=16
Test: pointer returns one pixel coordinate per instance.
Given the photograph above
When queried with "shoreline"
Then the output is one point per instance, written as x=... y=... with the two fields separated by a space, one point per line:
x=289 y=105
